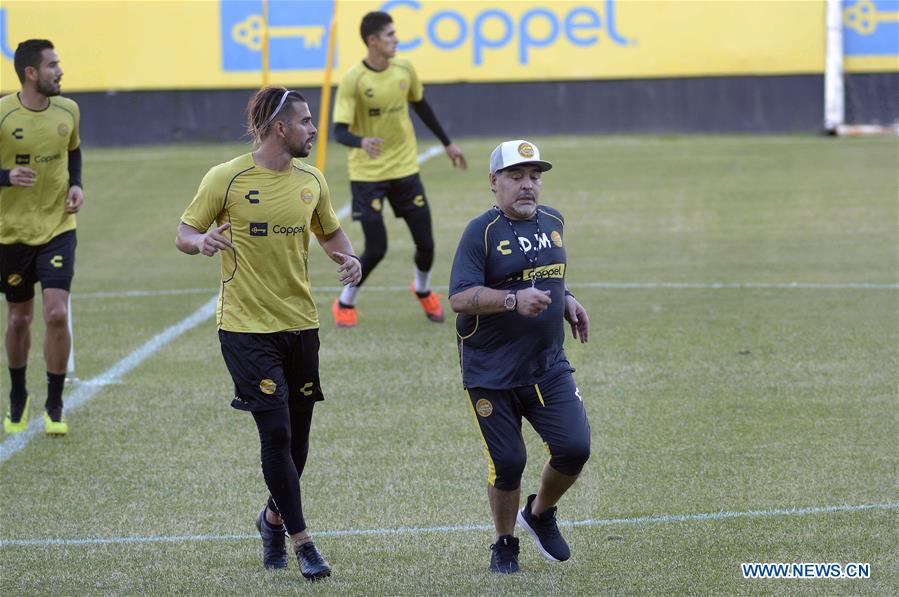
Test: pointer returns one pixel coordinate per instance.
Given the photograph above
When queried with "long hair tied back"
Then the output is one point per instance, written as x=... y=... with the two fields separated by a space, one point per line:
x=264 y=106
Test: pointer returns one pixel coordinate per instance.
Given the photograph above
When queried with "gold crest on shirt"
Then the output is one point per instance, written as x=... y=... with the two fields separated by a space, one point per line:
x=557 y=238
x=267 y=386
x=14 y=279
x=62 y=129
x=306 y=196
x=526 y=150
x=484 y=408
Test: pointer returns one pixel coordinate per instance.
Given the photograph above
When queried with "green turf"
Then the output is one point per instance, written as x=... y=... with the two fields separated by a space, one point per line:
x=701 y=399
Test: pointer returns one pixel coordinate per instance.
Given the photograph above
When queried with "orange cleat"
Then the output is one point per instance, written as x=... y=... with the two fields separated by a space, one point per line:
x=345 y=318
x=431 y=305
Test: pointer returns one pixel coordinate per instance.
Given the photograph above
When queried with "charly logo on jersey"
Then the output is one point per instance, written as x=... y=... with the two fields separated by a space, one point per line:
x=307 y=196
x=267 y=386
x=23 y=158
x=62 y=129
x=419 y=201
x=556 y=237
x=484 y=408
x=544 y=272
x=369 y=92
x=56 y=261
x=17 y=134
x=258 y=228
x=306 y=390
x=503 y=247
x=252 y=197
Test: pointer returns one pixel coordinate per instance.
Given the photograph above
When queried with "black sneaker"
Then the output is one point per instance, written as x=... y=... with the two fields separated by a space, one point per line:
x=312 y=565
x=504 y=559
x=545 y=532
x=274 y=544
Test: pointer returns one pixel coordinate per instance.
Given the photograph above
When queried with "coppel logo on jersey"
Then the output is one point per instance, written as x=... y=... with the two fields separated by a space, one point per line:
x=298 y=34
x=258 y=228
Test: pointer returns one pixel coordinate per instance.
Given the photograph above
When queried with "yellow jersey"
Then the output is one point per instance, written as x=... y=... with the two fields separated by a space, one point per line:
x=40 y=140
x=265 y=279
x=376 y=104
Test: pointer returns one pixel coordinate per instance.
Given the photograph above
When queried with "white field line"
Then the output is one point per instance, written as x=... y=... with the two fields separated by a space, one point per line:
x=639 y=520
x=87 y=389
x=573 y=285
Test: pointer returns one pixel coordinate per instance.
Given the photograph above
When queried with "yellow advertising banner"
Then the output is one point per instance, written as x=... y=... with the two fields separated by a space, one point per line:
x=200 y=44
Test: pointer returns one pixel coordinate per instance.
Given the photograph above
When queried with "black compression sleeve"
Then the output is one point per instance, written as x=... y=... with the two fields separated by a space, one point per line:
x=4 y=178
x=424 y=111
x=75 y=168
x=345 y=137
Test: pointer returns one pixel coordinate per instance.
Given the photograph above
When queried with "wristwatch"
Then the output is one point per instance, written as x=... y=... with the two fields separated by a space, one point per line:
x=511 y=301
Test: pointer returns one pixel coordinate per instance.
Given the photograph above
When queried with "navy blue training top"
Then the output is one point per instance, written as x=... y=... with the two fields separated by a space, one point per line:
x=507 y=350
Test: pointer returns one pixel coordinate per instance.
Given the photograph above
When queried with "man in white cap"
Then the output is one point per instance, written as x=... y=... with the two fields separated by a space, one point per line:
x=508 y=287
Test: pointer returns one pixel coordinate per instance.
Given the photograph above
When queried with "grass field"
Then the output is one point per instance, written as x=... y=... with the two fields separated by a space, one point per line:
x=725 y=401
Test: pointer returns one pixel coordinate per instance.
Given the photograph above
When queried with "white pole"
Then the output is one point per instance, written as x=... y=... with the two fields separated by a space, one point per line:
x=834 y=97
x=70 y=368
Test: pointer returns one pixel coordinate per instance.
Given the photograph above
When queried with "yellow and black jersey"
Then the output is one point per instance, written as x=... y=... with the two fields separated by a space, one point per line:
x=40 y=140
x=376 y=104
x=265 y=279
x=508 y=350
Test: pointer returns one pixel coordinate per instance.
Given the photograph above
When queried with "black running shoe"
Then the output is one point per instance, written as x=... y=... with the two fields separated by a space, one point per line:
x=274 y=550
x=545 y=532
x=312 y=565
x=504 y=556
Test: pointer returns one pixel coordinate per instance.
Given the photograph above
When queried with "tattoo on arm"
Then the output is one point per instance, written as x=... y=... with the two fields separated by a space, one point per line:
x=474 y=301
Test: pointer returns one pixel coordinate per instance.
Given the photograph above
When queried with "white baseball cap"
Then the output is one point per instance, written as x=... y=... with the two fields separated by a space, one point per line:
x=513 y=153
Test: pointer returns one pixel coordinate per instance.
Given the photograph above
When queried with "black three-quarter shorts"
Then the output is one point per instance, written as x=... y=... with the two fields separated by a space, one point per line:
x=53 y=264
x=555 y=410
x=406 y=196
x=271 y=369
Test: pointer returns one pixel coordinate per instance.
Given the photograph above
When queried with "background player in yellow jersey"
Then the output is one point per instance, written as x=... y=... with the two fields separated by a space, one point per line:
x=371 y=115
x=40 y=192
x=259 y=210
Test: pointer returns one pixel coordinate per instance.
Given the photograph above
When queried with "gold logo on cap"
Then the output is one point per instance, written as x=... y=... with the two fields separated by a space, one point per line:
x=306 y=196
x=484 y=408
x=526 y=150
x=14 y=279
x=267 y=386
x=557 y=238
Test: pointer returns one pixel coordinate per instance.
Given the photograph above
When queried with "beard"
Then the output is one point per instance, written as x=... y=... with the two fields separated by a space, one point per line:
x=524 y=211
x=50 y=89
x=299 y=151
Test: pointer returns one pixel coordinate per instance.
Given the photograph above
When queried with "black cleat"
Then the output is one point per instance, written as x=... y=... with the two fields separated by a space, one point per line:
x=504 y=559
x=545 y=532
x=312 y=565
x=274 y=550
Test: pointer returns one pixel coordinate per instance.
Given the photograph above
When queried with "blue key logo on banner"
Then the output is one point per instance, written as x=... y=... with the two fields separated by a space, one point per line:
x=871 y=27
x=297 y=34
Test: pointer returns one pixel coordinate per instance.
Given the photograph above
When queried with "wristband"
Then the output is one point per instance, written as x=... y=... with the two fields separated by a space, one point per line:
x=356 y=257
x=568 y=293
